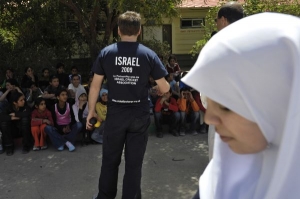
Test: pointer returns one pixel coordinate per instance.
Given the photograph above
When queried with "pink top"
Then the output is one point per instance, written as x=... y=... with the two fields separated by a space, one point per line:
x=63 y=119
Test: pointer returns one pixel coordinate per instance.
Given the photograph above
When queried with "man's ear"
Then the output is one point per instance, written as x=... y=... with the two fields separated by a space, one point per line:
x=119 y=32
x=139 y=31
x=224 y=21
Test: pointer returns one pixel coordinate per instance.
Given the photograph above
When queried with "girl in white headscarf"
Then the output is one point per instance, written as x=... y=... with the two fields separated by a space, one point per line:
x=250 y=73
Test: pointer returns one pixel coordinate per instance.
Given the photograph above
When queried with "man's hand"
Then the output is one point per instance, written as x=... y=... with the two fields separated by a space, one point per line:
x=89 y=126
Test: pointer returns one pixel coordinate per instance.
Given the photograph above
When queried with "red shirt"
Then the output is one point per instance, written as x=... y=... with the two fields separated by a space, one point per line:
x=174 y=69
x=172 y=105
x=37 y=117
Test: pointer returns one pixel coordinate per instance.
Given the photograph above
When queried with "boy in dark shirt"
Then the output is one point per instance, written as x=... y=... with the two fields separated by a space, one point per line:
x=49 y=92
x=62 y=76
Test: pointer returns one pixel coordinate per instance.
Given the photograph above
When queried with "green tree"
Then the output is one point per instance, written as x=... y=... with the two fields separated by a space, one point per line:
x=36 y=33
x=251 y=7
x=95 y=15
x=47 y=30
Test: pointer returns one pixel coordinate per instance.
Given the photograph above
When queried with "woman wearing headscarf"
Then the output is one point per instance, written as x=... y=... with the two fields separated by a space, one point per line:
x=250 y=74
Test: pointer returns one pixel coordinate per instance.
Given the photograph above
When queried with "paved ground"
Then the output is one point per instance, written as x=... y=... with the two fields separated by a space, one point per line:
x=171 y=169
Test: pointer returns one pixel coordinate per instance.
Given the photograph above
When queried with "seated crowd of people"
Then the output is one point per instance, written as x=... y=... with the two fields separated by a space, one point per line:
x=180 y=107
x=35 y=110
x=56 y=106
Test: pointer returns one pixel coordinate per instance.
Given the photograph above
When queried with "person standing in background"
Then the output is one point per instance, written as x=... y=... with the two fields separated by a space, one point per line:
x=228 y=14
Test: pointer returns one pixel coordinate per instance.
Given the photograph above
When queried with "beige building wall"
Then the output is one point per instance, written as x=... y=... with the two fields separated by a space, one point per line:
x=184 y=38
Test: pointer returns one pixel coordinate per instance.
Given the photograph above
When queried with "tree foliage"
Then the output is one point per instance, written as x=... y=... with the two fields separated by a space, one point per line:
x=251 y=7
x=37 y=33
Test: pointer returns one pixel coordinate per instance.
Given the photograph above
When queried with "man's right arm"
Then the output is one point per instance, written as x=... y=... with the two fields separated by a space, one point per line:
x=163 y=85
x=93 y=96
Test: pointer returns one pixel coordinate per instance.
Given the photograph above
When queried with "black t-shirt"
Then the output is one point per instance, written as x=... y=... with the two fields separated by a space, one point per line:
x=52 y=90
x=127 y=66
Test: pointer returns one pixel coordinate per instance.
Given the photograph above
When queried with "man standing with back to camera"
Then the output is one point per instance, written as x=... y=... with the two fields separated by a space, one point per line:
x=127 y=66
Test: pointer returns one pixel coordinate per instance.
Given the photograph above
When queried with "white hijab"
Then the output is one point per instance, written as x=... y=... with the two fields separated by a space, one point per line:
x=253 y=68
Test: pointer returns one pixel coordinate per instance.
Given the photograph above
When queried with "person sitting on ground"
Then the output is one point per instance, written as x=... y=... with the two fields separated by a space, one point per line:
x=73 y=87
x=44 y=79
x=49 y=92
x=80 y=110
x=15 y=122
x=40 y=118
x=101 y=110
x=9 y=74
x=74 y=71
x=166 y=111
x=27 y=78
x=173 y=67
x=253 y=100
x=11 y=87
x=189 y=111
x=173 y=84
x=65 y=127
x=32 y=94
x=62 y=76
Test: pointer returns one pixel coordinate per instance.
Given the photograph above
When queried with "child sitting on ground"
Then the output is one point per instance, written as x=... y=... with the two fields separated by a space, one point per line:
x=40 y=118
x=66 y=128
x=15 y=122
x=80 y=109
x=101 y=109
x=49 y=92
x=32 y=94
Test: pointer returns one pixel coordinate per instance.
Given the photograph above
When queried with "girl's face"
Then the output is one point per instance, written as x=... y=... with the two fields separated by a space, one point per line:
x=104 y=97
x=46 y=73
x=172 y=62
x=9 y=86
x=20 y=102
x=42 y=106
x=29 y=72
x=242 y=136
x=63 y=97
x=9 y=74
x=74 y=71
x=82 y=97
x=55 y=82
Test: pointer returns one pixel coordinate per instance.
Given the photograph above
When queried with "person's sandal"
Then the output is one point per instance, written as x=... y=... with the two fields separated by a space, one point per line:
x=36 y=148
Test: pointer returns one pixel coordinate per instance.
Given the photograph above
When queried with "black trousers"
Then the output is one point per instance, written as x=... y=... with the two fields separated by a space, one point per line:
x=17 y=128
x=124 y=127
